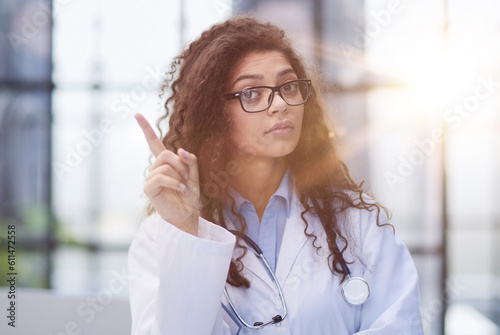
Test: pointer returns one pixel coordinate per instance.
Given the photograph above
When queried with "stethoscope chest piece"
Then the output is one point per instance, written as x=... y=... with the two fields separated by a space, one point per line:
x=355 y=290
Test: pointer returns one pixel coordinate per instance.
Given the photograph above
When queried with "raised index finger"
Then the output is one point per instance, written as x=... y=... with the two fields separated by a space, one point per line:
x=154 y=143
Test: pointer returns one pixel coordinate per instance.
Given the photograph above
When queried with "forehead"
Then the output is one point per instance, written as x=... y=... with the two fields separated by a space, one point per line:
x=260 y=62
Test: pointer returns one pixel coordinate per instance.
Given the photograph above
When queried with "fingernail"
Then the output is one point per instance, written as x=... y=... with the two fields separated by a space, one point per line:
x=183 y=189
x=184 y=154
x=186 y=176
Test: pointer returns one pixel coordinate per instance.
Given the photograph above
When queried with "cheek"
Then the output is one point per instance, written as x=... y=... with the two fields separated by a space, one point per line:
x=301 y=117
x=300 y=120
x=244 y=129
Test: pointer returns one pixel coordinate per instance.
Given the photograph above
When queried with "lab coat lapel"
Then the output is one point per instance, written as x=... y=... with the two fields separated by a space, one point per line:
x=293 y=242
x=254 y=265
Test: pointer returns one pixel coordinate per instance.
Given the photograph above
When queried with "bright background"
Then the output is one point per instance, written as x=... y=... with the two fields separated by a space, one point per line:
x=400 y=74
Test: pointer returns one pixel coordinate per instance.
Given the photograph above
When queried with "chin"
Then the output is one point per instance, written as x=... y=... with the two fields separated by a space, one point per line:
x=281 y=150
x=267 y=148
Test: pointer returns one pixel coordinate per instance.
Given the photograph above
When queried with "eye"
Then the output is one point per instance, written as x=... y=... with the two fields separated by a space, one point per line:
x=289 y=87
x=250 y=94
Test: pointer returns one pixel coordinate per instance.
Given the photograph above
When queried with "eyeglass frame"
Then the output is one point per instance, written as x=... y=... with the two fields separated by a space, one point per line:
x=274 y=89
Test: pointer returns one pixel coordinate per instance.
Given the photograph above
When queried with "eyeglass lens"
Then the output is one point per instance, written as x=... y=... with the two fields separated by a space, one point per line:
x=259 y=98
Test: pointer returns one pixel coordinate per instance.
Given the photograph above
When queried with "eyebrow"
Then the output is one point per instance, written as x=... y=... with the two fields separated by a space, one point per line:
x=260 y=77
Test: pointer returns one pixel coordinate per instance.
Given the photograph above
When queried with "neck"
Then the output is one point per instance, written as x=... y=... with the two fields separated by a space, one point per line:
x=258 y=180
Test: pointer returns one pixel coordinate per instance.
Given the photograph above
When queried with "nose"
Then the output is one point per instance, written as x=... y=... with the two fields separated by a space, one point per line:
x=277 y=104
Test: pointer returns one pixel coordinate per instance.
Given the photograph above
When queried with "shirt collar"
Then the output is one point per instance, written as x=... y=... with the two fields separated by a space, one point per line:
x=285 y=190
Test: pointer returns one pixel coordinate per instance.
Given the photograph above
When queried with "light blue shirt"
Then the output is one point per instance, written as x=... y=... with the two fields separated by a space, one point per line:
x=269 y=232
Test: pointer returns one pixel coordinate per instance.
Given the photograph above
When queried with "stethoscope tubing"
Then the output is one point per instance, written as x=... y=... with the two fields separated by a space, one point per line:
x=258 y=252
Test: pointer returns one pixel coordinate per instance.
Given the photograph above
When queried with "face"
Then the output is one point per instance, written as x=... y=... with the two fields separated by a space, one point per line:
x=275 y=131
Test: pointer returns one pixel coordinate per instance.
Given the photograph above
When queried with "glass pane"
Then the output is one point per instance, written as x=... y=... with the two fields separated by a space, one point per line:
x=75 y=28
x=25 y=45
x=74 y=270
x=398 y=43
x=136 y=39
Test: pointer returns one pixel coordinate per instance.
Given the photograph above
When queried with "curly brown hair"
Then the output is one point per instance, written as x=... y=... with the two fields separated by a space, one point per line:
x=200 y=123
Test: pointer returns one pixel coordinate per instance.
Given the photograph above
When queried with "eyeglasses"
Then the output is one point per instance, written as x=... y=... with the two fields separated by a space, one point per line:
x=259 y=98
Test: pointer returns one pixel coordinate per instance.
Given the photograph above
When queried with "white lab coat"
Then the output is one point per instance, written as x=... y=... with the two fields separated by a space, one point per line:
x=177 y=280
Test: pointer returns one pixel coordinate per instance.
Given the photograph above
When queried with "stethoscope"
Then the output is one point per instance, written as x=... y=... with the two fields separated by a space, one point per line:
x=355 y=290
x=277 y=318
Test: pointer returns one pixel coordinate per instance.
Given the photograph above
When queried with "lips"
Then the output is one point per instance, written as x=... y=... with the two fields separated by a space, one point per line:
x=284 y=124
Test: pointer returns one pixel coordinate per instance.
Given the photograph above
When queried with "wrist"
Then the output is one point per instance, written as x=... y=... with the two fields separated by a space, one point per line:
x=190 y=225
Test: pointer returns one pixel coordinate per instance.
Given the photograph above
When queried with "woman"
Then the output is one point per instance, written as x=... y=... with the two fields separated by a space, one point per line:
x=248 y=151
